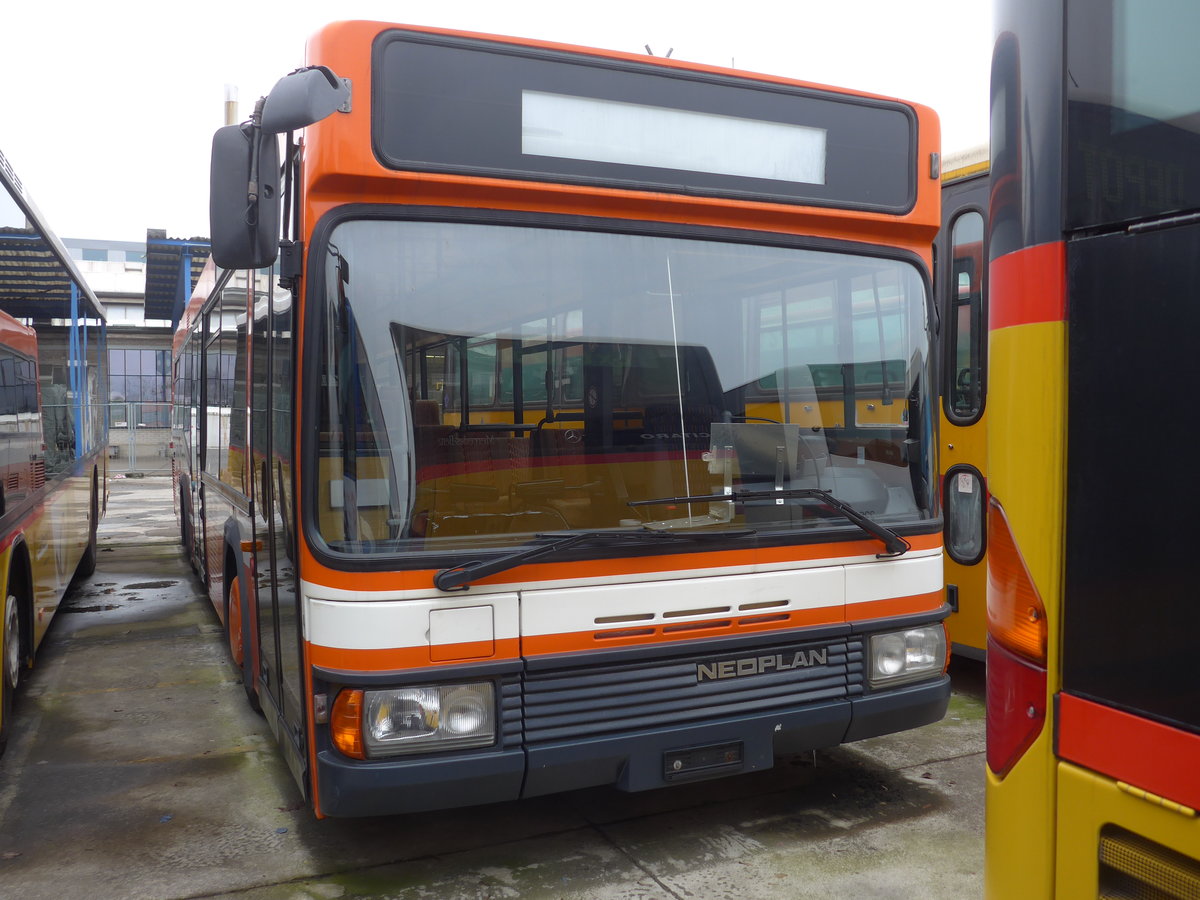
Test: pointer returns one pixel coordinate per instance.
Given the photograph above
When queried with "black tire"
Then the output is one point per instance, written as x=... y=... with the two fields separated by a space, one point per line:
x=246 y=666
x=185 y=530
x=87 y=562
x=10 y=666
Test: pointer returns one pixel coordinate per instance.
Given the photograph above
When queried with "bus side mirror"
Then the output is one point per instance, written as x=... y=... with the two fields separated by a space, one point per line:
x=243 y=213
x=243 y=199
x=302 y=98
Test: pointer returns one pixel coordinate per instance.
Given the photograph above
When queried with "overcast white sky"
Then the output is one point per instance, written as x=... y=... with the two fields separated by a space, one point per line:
x=107 y=109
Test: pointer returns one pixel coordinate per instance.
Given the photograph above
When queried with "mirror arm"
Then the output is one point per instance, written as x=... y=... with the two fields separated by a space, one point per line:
x=290 y=229
x=256 y=137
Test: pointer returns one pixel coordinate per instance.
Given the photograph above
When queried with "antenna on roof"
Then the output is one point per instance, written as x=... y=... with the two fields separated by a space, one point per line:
x=651 y=52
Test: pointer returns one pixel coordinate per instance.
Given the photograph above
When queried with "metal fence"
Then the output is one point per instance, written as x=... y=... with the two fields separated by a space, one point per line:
x=139 y=438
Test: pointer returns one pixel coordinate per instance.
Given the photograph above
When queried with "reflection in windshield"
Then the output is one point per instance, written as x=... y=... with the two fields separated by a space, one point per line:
x=480 y=384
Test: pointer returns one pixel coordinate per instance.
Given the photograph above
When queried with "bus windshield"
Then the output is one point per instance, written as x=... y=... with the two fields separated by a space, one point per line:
x=480 y=384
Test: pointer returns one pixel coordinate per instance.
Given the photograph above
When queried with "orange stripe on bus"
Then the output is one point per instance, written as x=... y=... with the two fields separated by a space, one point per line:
x=679 y=565
x=391 y=659
x=398 y=658
x=897 y=606
x=1028 y=286
x=535 y=645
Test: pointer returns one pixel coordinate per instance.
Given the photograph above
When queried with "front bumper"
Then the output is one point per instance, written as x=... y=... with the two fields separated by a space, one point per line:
x=635 y=760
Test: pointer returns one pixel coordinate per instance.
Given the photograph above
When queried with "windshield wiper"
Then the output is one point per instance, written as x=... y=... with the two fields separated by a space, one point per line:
x=896 y=545
x=458 y=577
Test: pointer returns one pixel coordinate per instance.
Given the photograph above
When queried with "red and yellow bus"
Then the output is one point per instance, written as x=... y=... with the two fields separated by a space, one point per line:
x=961 y=285
x=1093 y=703
x=584 y=434
x=53 y=430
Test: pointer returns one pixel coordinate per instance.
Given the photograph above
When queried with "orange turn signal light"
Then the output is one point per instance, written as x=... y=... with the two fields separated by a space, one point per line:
x=1015 y=612
x=345 y=724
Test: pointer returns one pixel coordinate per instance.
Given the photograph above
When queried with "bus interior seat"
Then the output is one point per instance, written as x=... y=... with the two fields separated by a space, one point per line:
x=696 y=422
x=426 y=412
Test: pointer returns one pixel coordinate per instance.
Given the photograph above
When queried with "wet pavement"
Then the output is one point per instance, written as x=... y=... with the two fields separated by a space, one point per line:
x=136 y=770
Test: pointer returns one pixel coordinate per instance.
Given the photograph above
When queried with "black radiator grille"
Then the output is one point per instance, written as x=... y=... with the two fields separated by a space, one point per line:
x=510 y=711
x=586 y=701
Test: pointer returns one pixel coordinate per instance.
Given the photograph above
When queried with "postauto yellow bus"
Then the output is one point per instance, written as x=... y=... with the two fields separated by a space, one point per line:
x=1093 y=698
x=962 y=300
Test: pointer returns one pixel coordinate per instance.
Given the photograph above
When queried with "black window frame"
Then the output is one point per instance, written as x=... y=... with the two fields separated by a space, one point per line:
x=948 y=479
x=949 y=292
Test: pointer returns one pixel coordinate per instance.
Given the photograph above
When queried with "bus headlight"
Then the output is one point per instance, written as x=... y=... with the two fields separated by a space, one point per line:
x=901 y=656
x=428 y=718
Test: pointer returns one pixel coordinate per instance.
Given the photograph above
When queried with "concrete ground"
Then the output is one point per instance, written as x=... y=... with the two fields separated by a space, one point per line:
x=137 y=771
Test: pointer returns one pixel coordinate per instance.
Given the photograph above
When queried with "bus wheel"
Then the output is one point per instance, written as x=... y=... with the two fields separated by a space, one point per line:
x=87 y=562
x=185 y=532
x=237 y=645
x=233 y=624
x=10 y=667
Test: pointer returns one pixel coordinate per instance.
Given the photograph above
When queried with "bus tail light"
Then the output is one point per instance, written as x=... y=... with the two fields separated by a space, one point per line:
x=1016 y=654
x=1016 y=707
x=1015 y=612
x=345 y=724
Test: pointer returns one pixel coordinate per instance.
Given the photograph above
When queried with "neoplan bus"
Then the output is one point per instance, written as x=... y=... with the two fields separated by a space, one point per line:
x=961 y=284
x=53 y=430
x=1093 y=704
x=586 y=434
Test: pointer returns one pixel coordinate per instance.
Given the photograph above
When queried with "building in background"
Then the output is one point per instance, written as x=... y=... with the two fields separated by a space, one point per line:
x=144 y=286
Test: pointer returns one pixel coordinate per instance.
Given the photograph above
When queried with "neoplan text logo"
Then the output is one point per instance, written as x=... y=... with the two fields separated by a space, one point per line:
x=760 y=665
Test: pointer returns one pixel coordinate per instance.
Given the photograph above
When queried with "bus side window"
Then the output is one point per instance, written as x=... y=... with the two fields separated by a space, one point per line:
x=966 y=321
x=965 y=504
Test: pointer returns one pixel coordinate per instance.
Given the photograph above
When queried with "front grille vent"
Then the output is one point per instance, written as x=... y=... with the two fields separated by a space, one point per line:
x=579 y=701
x=510 y=711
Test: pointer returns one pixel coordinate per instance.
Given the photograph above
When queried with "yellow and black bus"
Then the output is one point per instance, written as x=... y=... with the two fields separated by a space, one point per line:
x=1093 y=701
x=962 y=302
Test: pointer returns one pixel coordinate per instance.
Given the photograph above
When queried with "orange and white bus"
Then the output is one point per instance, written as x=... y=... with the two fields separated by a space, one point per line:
x=961 y=284
x=53 y=430
x=1093 y=702
x=584 y=436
